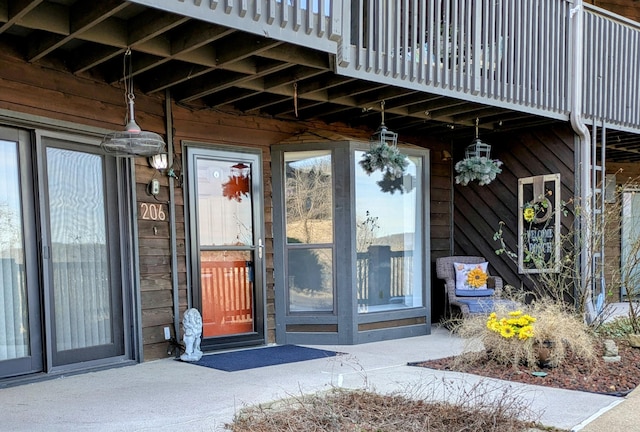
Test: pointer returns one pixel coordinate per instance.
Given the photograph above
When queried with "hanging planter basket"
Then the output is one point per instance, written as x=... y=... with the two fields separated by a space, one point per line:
x=383 y=153
x=386 y=158
x=482 y=169
x=477 y=164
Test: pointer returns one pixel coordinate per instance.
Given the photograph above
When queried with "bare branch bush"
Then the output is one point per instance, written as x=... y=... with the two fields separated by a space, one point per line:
x=439 y=406
x=563 y=281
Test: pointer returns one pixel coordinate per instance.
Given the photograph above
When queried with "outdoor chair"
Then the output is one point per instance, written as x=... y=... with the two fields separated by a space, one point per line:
x=470 y=301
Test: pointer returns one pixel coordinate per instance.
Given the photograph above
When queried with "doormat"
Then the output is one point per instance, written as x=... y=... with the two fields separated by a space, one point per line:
x=260 y=357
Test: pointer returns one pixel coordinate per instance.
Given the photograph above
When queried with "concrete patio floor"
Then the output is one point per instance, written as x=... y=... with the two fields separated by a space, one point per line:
x=168 y=395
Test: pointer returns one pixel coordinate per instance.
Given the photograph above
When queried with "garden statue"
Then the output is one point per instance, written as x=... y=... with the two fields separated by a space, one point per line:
x=192 y=323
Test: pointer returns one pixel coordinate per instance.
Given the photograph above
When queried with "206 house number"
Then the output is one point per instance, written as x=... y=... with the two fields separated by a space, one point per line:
x=155 y=212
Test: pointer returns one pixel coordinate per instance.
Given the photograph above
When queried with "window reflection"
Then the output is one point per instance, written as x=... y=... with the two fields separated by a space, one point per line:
x=310 y=280
x=309 y=224
x=14 y=333
x=309 y=196
x=388 y=239
x=224 y=203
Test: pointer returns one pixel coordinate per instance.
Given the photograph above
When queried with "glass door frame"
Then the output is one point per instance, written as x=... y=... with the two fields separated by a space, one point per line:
x=117 y=180
x=34 y=362
x=629 y=228
x=192 y=151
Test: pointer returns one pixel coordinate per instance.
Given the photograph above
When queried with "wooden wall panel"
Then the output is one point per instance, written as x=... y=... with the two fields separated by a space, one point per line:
x=480 y=209
x=33 y=89
x=59 y=96
x=627 y=8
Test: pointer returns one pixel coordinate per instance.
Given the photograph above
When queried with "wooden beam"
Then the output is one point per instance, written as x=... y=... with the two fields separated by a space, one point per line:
x=209 y=84
x=82 y=16
x=17 y=10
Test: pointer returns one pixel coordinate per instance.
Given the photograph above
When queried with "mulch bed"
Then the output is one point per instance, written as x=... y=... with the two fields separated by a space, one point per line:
x=617 y=378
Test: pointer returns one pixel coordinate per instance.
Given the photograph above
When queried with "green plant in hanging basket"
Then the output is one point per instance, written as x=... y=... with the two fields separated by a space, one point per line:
x=478 y=168
x=386 y=158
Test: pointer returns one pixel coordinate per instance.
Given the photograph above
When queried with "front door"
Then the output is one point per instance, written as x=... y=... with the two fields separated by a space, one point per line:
x=227 y=250
x=61 y=290
x=630 y=262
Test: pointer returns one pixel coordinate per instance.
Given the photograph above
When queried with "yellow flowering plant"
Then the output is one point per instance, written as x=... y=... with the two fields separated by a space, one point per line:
x=517 y=325
x=519 y=333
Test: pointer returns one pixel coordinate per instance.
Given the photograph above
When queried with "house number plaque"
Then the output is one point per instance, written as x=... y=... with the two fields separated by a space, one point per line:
x=151 y=211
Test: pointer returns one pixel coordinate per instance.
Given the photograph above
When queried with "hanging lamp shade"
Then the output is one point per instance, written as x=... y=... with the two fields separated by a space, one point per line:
x=132 y=141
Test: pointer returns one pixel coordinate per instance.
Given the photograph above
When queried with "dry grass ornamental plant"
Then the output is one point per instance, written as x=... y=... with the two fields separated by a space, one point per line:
x=516 y=337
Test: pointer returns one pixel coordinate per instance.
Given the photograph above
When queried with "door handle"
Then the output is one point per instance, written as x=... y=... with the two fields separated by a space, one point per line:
x=260 y=247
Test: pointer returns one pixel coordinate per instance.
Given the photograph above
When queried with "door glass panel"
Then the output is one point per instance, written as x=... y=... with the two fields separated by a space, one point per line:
x=309 y=230
x=14 y=317
x=81 y=281
x=388 y=238
x=309 y=197
x=224 y=203
x=310 y=280
x=227 y=292
x=631 y=243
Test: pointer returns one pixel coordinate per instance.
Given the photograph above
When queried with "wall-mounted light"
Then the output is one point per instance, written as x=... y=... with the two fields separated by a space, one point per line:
x=446 y=156
x=159 y=161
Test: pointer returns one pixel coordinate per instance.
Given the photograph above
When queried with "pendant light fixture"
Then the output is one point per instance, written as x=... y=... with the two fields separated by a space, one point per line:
x=132 y=141
x=383 y=135
x=477 y=148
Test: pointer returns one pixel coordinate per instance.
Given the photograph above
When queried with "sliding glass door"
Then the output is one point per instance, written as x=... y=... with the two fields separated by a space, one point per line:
x=83 y=284
x=61 y=289
x=20 y=338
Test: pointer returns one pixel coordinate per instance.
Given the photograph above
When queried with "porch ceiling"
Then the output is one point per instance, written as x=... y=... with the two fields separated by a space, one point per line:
x=208 y=66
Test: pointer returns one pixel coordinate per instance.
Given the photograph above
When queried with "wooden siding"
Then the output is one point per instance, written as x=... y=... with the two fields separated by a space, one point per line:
x=61 y=96
x=626 y=8
x=479 y=210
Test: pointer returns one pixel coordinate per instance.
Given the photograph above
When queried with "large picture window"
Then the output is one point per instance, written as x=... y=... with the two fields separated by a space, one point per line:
x=351 y=249
x=388 y=238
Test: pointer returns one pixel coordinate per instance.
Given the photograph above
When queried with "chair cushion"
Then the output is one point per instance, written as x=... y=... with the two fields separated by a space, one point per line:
x=474 y=293
x=477 y=281
x=479 y=306
x=486 y=306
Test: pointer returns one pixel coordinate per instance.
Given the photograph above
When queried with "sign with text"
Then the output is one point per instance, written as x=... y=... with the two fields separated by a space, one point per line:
x=539 y=224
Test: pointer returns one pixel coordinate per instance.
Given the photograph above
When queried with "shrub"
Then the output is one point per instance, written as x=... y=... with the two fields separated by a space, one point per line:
x=516 y=336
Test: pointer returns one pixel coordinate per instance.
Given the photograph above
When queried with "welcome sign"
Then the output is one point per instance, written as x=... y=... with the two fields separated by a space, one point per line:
x=539 y=224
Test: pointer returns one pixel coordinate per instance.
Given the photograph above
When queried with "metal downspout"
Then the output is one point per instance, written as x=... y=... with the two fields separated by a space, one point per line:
x=172 y=219
x=584 y=137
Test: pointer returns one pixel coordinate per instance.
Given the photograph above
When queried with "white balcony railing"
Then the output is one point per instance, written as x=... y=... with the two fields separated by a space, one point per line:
x=312 y=23
x=507 y=53
x=503 y=52
x=611 y=91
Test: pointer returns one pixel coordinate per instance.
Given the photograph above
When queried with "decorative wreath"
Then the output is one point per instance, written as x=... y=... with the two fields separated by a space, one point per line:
x=538 y=211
